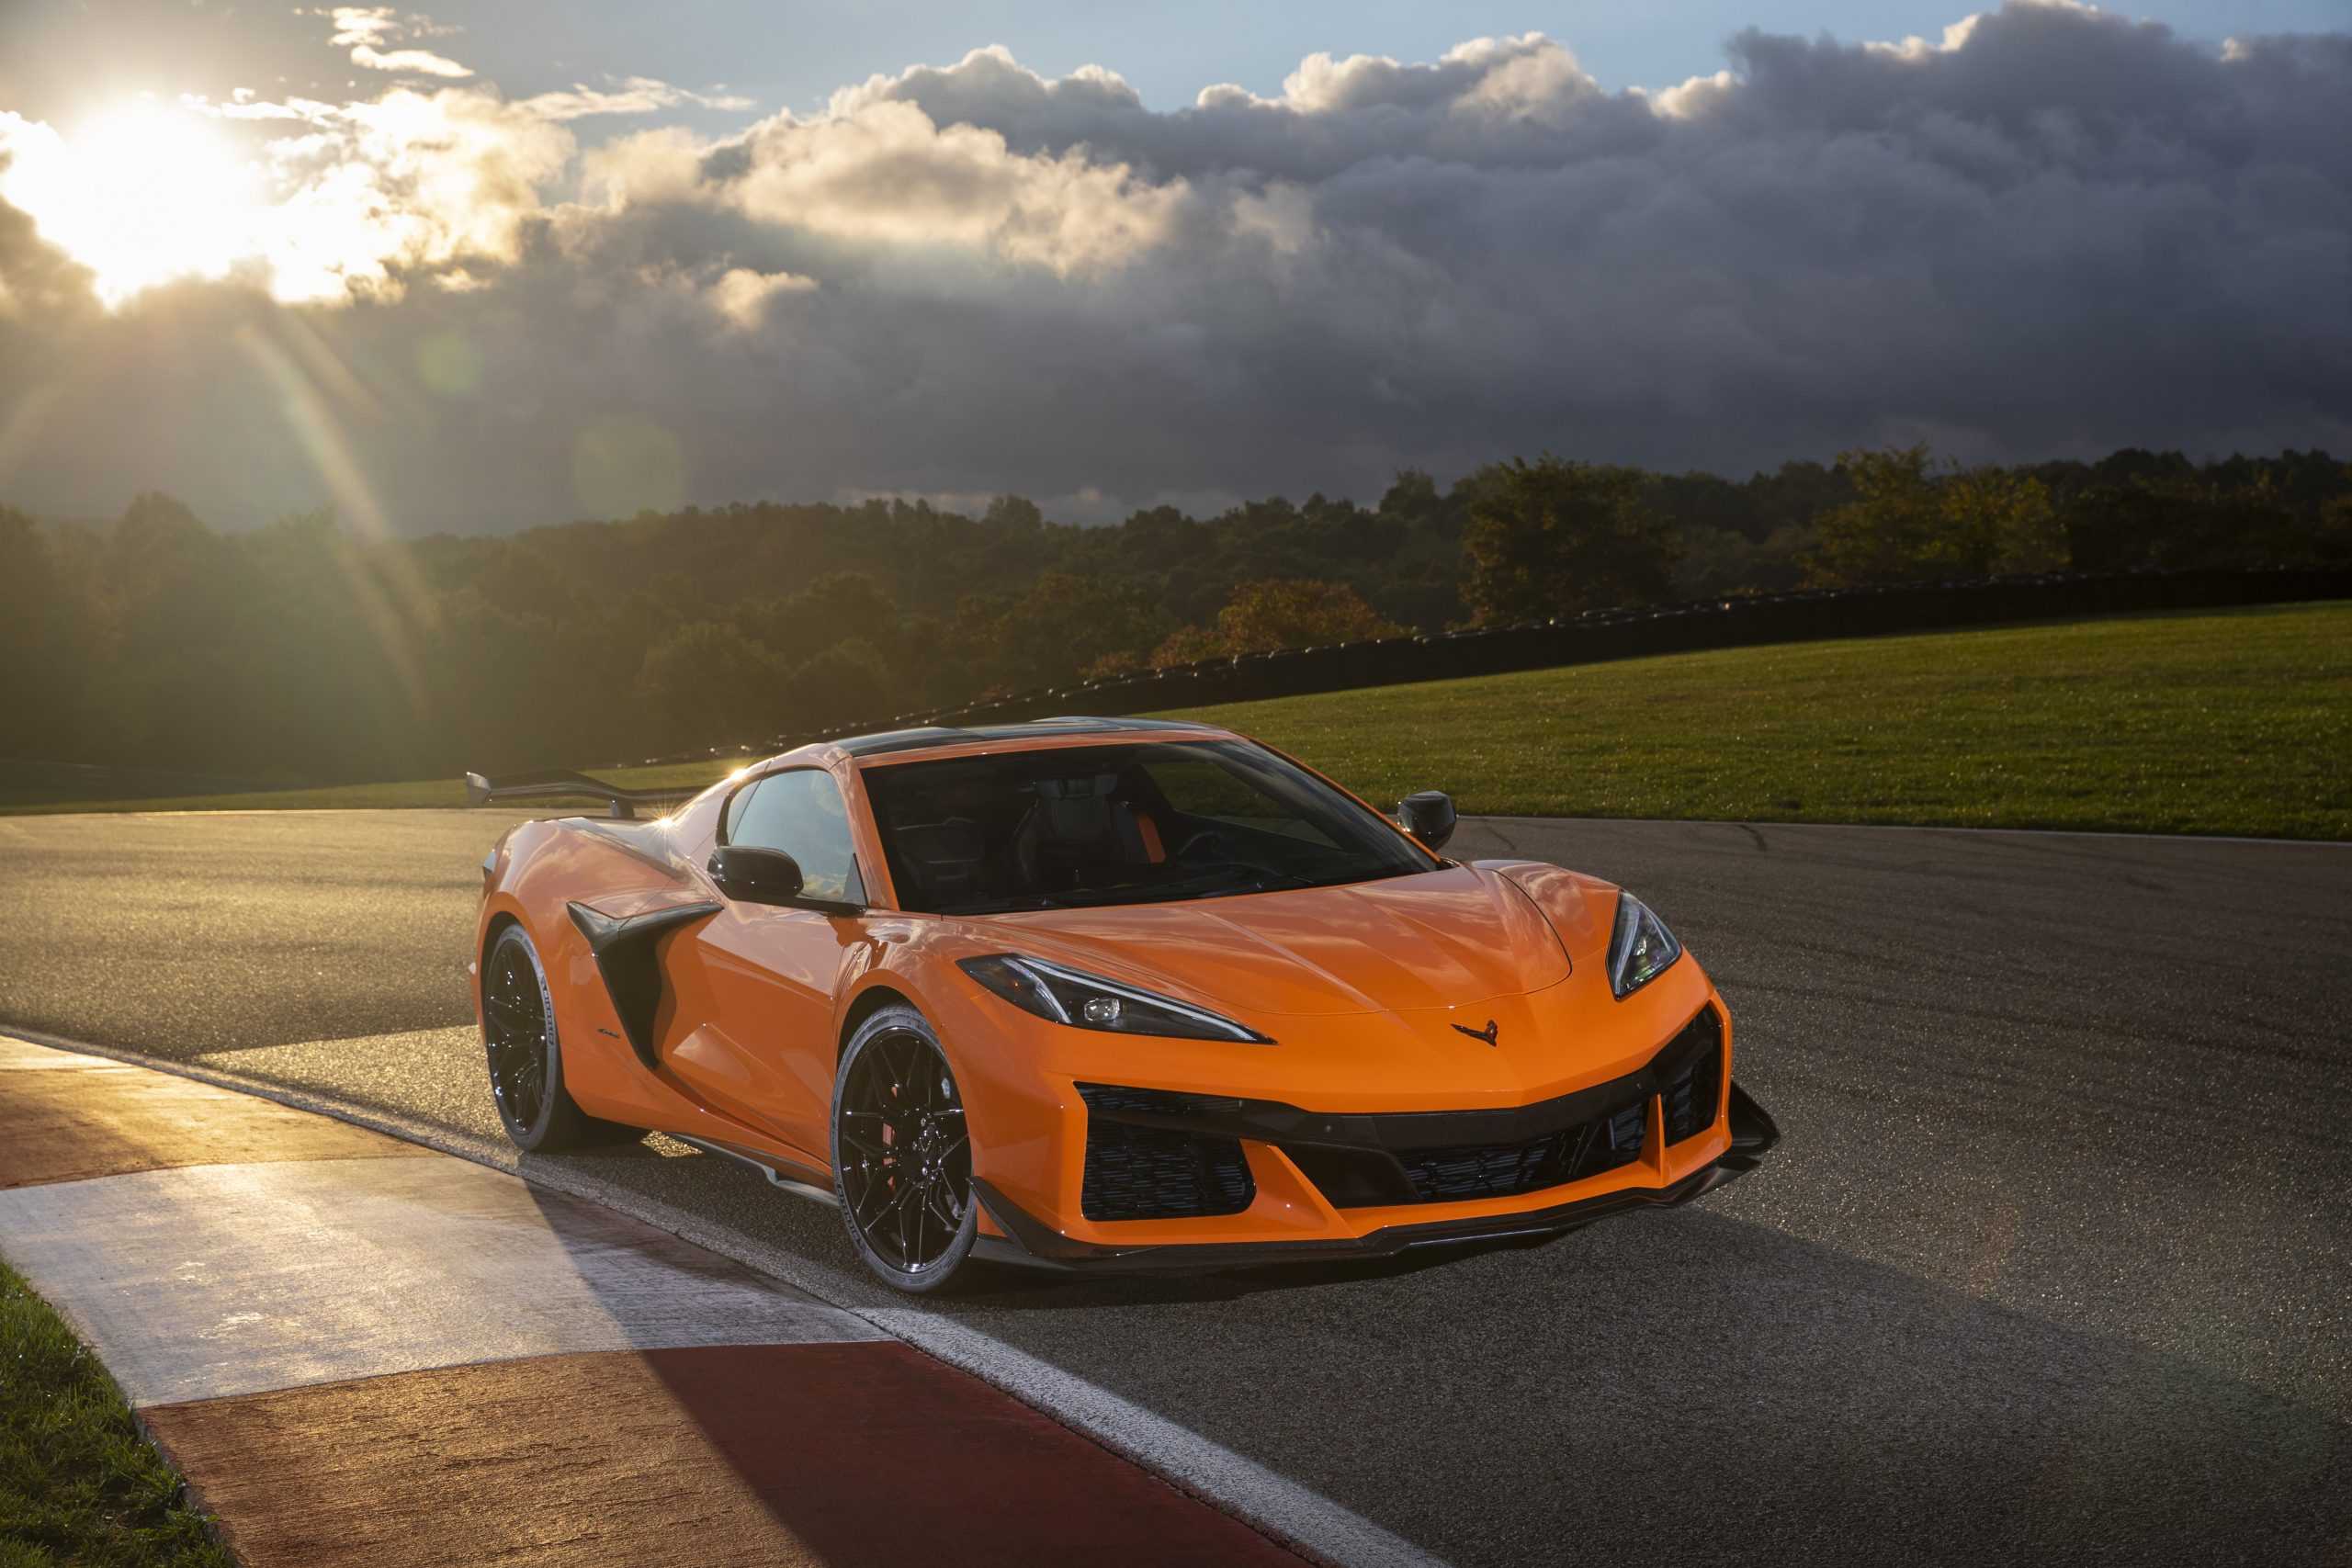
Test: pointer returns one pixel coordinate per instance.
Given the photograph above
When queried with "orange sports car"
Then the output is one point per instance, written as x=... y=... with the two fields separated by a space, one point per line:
x=1100 y=994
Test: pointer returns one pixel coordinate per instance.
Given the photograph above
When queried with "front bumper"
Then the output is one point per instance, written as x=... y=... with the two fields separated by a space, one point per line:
x=1028 y=1241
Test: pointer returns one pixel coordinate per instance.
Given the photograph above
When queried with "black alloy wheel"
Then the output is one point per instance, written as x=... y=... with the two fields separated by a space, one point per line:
x=902 y=1153
x=514 y=1030
x=526 y=1057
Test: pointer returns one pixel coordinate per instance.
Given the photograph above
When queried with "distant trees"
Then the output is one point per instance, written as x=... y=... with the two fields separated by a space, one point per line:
x=39 y=689
x=846 y=683
x=1279 y=612
x=1553 y=538
x=1064 y=622
x=1910 y=520
x=302 y=652
x=705 y=680
x=1017 y=513
x=2190 y=520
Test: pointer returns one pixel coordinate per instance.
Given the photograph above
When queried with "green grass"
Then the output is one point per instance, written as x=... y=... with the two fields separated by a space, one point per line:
x=2211 y=722
x=77 y=1482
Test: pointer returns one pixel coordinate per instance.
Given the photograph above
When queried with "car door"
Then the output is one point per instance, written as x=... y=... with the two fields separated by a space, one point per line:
x=768 y=974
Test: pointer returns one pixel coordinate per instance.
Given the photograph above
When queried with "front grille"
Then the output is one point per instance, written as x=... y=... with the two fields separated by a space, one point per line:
x=1491 y=1170
x=1507 y=1170
x=1149 y=1173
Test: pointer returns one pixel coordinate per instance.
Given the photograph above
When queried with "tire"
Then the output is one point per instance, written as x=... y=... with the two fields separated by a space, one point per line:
x=526 y=1057
x=902 y=1156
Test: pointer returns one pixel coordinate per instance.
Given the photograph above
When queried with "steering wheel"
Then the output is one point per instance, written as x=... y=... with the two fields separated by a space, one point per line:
x=1207 y=844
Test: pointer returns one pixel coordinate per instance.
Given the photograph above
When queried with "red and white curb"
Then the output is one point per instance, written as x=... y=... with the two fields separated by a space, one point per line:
x=362 y=1351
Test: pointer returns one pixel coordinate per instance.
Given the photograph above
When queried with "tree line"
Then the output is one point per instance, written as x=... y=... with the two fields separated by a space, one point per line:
x=300 y=652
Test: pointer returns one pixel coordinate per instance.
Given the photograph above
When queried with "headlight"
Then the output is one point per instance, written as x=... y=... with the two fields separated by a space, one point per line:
x=1640 y=949
x=1088 y=1001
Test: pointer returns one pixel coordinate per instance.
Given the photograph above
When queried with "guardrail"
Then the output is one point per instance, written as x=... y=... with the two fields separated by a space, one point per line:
x=1596 y=636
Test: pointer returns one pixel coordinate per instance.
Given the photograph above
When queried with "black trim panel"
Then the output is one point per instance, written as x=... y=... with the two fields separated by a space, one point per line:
x=624 y=949
x=1754 y=1133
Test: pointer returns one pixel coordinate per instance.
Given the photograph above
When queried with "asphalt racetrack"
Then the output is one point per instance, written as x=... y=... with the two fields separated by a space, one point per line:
x=2055 y=1264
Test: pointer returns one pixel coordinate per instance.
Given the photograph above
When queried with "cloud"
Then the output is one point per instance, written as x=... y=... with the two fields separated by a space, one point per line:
x=741 y=295
x=2049 y=230
x=362 y=28
x=356 y=25
x=415 y=62
x=884 y=175
x=631 y=94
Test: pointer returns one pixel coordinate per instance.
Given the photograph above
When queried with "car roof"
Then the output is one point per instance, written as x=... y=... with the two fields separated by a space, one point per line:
x=928 y=737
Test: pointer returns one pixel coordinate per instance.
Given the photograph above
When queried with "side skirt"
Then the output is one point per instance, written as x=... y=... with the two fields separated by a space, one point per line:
x=803 y=1181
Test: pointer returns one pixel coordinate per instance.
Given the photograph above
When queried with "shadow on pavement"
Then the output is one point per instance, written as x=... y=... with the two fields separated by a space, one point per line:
x=1690 y=1388
x=1680 y=1386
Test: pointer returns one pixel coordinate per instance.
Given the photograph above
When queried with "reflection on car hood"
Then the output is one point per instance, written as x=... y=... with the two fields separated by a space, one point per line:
x=1437 y=939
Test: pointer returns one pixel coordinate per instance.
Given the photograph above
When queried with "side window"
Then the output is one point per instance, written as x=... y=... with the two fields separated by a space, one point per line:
x=801 y=813
x=736 y=803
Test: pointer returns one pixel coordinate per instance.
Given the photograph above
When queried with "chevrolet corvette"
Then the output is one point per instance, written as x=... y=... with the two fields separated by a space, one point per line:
x=1099 y=994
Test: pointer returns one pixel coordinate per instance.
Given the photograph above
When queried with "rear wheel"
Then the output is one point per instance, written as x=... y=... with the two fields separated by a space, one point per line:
x=902 y=1155
x=526 y=1057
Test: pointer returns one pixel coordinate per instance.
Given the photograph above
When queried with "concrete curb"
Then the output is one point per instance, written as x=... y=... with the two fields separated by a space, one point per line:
x=1290 y=1515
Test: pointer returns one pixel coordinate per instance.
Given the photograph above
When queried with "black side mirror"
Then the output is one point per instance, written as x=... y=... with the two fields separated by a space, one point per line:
x=1427 y=815
x=751 y=876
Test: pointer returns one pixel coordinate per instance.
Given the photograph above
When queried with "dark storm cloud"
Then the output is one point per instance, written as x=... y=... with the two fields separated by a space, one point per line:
x=2050 y=232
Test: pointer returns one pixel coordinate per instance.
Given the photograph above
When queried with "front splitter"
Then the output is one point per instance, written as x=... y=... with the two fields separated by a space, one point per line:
x=1029 y=1242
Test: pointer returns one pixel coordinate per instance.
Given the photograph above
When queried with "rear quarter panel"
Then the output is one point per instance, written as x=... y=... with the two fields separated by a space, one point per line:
x=541 y=867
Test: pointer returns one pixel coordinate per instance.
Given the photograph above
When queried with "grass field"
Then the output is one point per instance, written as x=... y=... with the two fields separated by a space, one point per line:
x=2211 y=722
x=77 y=1482
x=2236 y=722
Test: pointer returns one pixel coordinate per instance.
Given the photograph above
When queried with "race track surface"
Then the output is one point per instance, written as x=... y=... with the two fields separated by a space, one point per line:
x=2054 y=1263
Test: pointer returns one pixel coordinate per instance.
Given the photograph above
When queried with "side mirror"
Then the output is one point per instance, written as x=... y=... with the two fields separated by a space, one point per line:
x=1427 y=815
x=751 y=876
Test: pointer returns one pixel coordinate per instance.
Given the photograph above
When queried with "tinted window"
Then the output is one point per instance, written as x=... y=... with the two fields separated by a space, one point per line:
x=1120 y=825
x=801 y=813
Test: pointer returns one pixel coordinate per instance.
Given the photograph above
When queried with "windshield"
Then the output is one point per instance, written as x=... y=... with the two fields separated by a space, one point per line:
x=1120 y=825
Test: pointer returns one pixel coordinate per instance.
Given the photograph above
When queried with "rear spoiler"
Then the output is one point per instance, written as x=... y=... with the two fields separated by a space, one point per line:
x=560 y=784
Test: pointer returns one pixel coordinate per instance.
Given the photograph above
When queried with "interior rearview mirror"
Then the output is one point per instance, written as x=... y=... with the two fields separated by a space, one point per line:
x=1428 y=815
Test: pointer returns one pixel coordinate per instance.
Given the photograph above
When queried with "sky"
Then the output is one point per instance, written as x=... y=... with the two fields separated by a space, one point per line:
x=497 y=265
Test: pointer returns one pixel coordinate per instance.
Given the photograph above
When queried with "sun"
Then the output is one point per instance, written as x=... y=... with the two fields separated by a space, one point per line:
x=142 y=193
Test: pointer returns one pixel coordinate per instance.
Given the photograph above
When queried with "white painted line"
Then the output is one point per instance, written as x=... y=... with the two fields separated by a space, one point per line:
x=209 y=1281
x=1292 y=1514
x=1299 y=1518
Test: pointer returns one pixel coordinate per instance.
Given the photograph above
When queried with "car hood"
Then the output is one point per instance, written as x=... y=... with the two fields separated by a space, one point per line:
x=1444 y=938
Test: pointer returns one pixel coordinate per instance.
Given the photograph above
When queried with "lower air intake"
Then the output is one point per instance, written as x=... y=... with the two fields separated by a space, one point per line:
x=1150 y=1173
x=1691 y=1102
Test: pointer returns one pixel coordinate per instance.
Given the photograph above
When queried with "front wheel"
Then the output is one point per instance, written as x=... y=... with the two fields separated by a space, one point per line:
x=518 y=1035
x=902 y=1155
